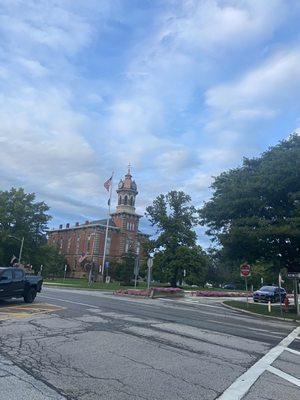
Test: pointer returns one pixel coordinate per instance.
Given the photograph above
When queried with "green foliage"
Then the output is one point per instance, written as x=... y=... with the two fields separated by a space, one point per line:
x=124 y=270
x=188 y=264
x=21 y=216
x=53 y=262
x=175 y=246
x=254 y=212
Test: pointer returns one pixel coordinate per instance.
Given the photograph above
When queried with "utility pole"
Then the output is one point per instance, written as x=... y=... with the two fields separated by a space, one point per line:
x=107 y=223
x=21 y=250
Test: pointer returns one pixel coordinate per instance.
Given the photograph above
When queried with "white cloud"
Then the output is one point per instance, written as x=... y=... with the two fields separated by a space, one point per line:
x=176 y=99
x=214 y=26
x=274 y=82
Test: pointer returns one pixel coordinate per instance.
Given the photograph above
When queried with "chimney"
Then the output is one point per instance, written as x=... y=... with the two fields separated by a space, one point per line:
x=77 y=224
x=87 y=222
x=67 y=225
x=60 y=226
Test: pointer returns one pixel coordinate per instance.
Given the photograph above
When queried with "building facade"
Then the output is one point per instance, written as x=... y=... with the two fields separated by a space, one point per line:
x=86 y=241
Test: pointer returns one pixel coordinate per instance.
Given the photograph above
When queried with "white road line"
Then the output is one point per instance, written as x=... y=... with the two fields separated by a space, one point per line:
x=293 y=351
x=70 y=301
x=243 y=383
x=284 y=375
x=268 y=333
x=190 y=301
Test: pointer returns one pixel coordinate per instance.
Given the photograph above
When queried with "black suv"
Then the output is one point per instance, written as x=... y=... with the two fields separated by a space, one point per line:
x=269 y=293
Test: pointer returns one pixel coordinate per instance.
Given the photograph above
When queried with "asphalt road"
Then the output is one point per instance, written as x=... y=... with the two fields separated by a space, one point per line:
x=98 y=346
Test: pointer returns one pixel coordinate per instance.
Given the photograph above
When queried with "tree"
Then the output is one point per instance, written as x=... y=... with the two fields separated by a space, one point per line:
x=254 y=212
x=53 y=262
x=175 y=245
x=125 y=269
x=21 y=216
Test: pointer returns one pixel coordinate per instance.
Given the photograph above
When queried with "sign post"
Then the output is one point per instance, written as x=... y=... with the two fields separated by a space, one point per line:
x=65 y=272
x=294 y=273
x=136 y=270
x=245 y=273
x=149 y=265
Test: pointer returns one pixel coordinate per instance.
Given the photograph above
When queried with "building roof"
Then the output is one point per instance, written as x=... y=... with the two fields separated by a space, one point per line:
x=87 y=224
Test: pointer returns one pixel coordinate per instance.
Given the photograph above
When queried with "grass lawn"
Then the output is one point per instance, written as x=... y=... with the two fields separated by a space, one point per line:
x=262 y=309
x=83 y=284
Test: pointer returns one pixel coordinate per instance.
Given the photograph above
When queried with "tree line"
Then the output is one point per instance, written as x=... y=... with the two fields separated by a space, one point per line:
x=22 y=218
x=253 y=216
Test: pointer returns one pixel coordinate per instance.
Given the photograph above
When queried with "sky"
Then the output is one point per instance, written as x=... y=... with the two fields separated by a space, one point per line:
x=182 y=90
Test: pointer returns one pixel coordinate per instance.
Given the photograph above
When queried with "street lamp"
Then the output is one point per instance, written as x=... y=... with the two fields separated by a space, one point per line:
x=21 y=247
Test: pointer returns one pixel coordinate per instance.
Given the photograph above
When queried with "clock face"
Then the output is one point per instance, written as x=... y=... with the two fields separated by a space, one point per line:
x=120 y=184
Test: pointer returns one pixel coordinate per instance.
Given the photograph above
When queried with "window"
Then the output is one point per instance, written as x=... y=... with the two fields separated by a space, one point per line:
x=138 y=247
x=77 y=244
x=125 y=200
x=69 y=245
x=88 y=244
x=127 y=245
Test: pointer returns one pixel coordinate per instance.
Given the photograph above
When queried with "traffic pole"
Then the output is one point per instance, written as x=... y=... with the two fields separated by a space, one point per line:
x=246 y=284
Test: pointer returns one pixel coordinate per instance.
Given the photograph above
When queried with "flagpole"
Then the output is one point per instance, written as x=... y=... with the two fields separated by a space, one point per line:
x=107 y=223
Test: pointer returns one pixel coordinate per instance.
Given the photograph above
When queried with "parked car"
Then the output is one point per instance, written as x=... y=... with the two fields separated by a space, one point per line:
x=14 y=283
x=269 y=293
x=230 y=286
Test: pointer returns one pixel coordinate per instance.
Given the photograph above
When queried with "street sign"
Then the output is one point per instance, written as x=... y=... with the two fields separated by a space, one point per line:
x=293 y=275
x=245 y=270
x=150 y=262
x=149 y=265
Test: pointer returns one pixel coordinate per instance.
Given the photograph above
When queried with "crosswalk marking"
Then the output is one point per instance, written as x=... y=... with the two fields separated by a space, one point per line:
x=242 y=384
x=284 y=375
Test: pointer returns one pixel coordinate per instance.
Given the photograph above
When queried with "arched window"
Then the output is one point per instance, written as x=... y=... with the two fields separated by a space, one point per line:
x=119 y=202
x=125 y=200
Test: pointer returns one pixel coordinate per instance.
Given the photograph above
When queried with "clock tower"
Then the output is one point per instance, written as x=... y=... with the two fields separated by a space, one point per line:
x=125 y=216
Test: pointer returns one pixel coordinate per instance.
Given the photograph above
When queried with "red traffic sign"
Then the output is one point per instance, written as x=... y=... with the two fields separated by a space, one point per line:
x=245 y=270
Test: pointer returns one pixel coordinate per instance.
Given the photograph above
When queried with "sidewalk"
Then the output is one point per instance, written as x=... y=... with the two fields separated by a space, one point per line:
x=17 y=384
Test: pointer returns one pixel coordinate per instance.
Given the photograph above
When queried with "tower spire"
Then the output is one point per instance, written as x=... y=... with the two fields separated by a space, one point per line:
x=129 y=167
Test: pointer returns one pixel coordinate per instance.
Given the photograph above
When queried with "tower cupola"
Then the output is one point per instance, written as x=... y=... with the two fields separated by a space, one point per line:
x=127 y=192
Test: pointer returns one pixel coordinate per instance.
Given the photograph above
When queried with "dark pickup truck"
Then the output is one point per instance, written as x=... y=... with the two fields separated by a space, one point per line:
x=14 y=283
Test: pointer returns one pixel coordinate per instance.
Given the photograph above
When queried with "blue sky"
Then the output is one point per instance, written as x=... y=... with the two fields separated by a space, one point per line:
x=180 y=89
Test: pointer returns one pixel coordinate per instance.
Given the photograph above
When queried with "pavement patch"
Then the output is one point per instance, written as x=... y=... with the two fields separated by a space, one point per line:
x=16 y=311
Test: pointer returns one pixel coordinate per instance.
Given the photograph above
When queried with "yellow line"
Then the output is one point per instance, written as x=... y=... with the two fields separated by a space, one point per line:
x=6 y=312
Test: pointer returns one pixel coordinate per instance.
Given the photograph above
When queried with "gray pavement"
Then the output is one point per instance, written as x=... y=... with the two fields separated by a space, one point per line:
x=104 y=347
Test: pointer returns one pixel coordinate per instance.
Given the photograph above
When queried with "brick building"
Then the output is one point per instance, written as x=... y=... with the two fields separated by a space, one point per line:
x=88 y=238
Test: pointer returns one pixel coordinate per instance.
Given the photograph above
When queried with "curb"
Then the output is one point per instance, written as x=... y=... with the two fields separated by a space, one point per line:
x=260 y=315
x=131 y=296
x=76 y=288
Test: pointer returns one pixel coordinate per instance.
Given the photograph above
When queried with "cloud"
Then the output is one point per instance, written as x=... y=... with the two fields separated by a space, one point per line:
x=273 y=83
x=181 y=90
x=211 y=25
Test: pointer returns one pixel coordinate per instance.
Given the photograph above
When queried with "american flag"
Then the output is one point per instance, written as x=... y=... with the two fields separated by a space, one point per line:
x=13 y=259
x=107 y=183
x=82 y=257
